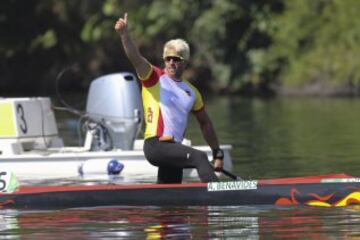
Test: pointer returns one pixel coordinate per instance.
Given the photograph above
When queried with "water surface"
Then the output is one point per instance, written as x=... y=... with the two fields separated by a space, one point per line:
x=239 y=222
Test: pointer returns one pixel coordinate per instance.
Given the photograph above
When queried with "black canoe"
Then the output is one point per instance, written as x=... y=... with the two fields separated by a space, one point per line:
x=326 y=190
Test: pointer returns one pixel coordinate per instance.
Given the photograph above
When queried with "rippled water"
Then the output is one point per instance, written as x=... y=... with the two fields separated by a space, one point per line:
x=289 y=136
x=276 y=138
x=183 y=223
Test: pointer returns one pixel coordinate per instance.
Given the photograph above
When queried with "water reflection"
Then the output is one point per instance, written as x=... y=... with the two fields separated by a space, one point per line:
x=182 y=223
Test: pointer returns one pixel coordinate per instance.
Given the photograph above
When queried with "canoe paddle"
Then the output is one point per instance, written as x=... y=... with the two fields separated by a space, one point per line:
x=230 y=175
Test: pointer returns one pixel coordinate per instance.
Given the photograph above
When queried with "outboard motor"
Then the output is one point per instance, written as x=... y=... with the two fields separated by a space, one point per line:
x=114 y=110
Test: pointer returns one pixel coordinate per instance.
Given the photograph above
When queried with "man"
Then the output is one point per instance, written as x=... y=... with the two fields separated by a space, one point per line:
x=167 y=102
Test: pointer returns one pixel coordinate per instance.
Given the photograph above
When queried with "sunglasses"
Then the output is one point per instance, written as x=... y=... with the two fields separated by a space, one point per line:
x=175 y=59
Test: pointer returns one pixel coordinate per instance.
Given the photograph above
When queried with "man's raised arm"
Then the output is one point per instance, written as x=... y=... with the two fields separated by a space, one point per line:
x=141 y=64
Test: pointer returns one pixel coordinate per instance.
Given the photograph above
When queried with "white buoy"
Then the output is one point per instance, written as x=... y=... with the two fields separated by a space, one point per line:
x=107 y=166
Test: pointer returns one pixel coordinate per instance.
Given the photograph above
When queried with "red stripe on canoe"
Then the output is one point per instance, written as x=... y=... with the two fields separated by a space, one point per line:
x=299 y=180
x=280 y=181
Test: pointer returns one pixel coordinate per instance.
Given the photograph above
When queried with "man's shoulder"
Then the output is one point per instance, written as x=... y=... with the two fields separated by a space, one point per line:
x=153 y=76
x=192 y=86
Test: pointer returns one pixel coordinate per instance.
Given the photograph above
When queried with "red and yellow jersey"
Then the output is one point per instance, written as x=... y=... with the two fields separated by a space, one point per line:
x=167 y=104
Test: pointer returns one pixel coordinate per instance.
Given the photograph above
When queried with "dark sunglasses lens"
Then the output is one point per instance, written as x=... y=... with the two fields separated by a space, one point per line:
x=175 y=59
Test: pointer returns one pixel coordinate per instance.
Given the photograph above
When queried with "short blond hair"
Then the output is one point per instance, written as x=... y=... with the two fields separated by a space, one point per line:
x=177 y=47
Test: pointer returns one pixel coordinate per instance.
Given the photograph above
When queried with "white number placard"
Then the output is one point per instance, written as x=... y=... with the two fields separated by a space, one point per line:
x=8 y=182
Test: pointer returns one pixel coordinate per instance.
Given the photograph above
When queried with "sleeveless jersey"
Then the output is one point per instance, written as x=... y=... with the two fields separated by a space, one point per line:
x=167 y=104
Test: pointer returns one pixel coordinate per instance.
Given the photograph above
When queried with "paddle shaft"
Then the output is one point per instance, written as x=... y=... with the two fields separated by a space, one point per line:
x=229 y=174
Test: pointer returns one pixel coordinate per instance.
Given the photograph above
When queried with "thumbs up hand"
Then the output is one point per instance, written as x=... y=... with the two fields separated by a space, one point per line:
x=121 y=24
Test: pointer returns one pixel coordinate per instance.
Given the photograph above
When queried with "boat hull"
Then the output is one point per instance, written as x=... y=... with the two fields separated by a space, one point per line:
x=324 y=192
x=65 y=163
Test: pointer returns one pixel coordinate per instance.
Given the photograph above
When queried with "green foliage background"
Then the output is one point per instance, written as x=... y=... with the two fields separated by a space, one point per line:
x=238 y=46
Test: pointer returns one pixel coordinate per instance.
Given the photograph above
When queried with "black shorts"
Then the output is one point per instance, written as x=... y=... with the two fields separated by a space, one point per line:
x=171 y=158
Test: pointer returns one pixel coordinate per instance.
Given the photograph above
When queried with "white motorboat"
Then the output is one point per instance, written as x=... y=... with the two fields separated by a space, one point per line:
x=31 y=148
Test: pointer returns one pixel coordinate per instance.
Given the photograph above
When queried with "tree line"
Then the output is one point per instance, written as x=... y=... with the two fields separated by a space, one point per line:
x=238 y=46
